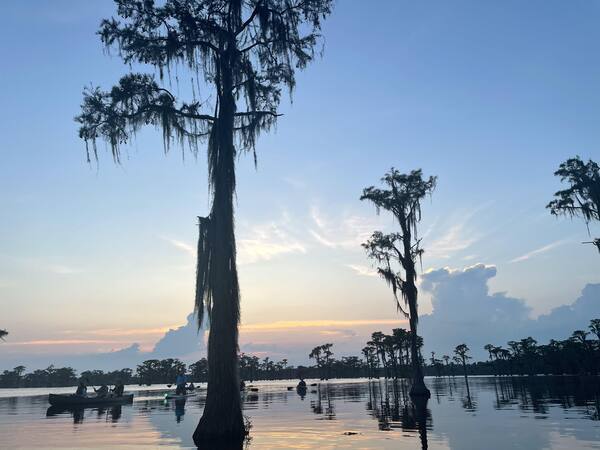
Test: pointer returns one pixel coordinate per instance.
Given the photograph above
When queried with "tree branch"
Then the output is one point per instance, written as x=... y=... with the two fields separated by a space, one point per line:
x=250 y=19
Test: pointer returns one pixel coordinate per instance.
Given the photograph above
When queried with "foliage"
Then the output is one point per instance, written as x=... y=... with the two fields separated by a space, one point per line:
x=159 y=371
x=99 y=377
x=582 y=197
x=403 y=200
x=51 y=377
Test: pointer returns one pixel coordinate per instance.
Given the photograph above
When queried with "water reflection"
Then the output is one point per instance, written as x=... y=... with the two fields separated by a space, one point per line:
x=111 y=414
x=344 y=414
x=179 y=410
x=316 y=405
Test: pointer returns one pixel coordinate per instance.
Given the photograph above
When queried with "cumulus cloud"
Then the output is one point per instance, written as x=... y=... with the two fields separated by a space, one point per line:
x=464 y=310
x=182 y=342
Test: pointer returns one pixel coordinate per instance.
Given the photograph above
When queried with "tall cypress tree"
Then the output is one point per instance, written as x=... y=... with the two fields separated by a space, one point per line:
x=247 y=52
x=397 y=253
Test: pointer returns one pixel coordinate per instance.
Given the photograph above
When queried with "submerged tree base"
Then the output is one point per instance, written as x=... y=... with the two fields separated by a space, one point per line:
x=419 y=390
x=223 y=440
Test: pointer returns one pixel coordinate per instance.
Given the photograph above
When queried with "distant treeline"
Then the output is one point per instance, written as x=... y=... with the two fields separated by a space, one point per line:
x=384 y=356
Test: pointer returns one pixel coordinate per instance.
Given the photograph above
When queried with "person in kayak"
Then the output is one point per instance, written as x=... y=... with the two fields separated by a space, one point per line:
x=180 y=383
x=302 y=384
x=102 y=391
x=81 y=389
x=118 y=389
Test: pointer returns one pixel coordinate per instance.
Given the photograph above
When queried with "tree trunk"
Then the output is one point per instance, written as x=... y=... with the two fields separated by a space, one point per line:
x=418 y=387
x=464 y=364
x=222 y=418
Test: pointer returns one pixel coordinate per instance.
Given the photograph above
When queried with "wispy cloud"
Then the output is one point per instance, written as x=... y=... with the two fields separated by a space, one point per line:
x=60 y=269
x=457 y=233
x=347 y=232
x=266 y=241
x=255 y=250
x=50 y=267
x=539 y=251
x=180 y=245
x=257 y=242
x=457 y=238
x=363 y=270
x=322 y=240
x=338 y=333
x=296 y=183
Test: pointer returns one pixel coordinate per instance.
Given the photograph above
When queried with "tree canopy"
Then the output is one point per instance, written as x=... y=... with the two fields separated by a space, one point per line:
x=403 y=200
x=262 y=42
x=582 y=197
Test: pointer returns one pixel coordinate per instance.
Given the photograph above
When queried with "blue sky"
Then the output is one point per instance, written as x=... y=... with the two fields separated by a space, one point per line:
x=488 y=96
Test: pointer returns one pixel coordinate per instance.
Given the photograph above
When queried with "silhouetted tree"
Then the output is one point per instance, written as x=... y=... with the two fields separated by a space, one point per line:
x=376 y=341
x=247 y=51
x=315 y=354
x=529 y=353
x=159 y=371
x=370 y=354
x=446 y=359
x=327 y=359
x=595 y=327
x=462 y=352
x=582 y=197
x=397 y=253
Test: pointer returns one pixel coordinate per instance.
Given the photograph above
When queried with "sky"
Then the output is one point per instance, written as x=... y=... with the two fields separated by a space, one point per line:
x=97 y=260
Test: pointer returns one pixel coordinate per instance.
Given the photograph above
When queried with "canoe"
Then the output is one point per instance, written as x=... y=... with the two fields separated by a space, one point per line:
x=178 y=397
x=78 y=400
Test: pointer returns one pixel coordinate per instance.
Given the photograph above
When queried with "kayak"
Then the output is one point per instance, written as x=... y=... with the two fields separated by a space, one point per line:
x=178 y=396
x=78 y=400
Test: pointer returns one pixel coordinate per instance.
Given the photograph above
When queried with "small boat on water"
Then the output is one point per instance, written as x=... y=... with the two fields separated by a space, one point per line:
x=179 y=396
x=79 y=400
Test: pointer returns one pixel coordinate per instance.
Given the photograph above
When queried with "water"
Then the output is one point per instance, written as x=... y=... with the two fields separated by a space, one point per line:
x=518 y=413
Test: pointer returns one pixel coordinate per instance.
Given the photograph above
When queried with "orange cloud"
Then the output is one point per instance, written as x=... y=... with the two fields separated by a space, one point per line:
x=124 y=332
x=292 y=324
x=64 y=342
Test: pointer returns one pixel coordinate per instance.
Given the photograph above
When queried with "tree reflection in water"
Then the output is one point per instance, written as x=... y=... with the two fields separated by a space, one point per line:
x=365 y=407
x=316 y=405
x=392 y=407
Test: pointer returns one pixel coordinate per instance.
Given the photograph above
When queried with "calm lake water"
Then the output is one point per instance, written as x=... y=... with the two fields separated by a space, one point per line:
x=507 y=413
